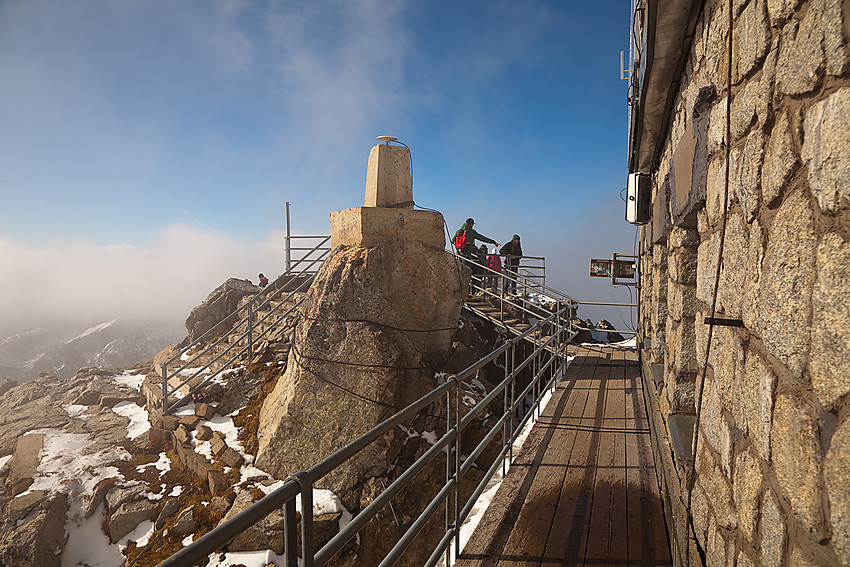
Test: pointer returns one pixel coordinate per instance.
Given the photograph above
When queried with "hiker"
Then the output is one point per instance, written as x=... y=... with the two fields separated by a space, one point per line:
x=512 y=251
x=494 y=264
x=465 y=237
x=264 y=281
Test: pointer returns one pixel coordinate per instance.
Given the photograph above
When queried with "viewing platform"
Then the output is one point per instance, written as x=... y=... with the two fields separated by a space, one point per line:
x=583 y=490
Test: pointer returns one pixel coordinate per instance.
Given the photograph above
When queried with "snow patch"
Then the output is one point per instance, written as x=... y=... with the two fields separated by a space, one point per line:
x=138 y=418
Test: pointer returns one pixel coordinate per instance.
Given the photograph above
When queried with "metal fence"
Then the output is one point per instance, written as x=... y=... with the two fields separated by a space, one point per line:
x=546 y=363
x=249 y=323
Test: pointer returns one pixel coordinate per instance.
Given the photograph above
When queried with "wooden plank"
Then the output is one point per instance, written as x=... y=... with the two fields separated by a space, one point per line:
x=568 y=537
x=619 y=418
x=489 y=538
x=601 y=531
x=530 y=532
x=638 y=534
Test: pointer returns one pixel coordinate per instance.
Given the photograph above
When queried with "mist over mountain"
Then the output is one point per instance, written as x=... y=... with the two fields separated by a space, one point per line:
x=63 y=350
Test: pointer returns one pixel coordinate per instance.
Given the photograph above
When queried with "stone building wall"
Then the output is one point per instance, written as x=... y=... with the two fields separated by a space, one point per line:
x=772 y=466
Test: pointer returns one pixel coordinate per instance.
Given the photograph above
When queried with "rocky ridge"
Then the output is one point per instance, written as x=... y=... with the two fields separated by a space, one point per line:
x=90 y=474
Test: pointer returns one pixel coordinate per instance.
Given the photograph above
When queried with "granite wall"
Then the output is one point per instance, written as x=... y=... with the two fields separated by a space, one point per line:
x=772 y=466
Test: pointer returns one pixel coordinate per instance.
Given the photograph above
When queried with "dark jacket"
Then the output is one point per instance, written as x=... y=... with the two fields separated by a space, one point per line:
x=469 y=248
x=511 y=249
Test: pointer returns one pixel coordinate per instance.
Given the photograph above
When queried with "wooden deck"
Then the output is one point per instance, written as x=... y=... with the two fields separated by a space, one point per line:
x=583 y=490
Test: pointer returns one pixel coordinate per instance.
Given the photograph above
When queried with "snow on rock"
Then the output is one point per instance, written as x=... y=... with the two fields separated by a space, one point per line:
x=138 y=418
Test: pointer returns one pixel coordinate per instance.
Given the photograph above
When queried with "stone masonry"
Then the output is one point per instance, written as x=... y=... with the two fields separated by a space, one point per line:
x=772 y=461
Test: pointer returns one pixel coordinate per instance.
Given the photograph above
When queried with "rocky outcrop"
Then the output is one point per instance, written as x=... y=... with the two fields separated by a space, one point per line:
x=378 y=324
x=35 y=531
x=220 y=303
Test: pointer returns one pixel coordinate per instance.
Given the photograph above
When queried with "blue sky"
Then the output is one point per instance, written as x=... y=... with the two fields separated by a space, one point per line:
x=144 y=137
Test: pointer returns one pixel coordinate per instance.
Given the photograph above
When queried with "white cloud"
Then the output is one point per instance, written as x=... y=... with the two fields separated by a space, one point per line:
x=84 y=281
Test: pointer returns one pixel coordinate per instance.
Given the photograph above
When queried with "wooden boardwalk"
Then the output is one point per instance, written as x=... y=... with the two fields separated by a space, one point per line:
x=583 y=489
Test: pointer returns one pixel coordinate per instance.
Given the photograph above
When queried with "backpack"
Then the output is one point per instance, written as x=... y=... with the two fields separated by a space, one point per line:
x=460 y=239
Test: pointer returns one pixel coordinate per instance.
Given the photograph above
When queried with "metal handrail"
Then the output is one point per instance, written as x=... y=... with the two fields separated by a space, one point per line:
x=520 y=303
x=545 y=374
x=268 y=295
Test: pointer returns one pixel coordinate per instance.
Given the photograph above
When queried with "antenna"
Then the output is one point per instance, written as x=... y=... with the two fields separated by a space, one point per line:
x=387 y=139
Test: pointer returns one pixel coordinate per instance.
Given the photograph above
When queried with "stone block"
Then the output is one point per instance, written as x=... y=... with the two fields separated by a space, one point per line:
x=205 y=411
x=681 y=350
x=773 y=529
x=796 y=454
x=367 y=226
x=190 y=422
x=682 y=301
x=755 y=252
x=717 y=127
x=745 y=185
x=185 y=523
x=683 y=237
x=388 y=180
x=826 y=150
x=716 y=186
x=197 y=464
x=218 y=445
x=718 y=490
x=118 y=495
x=743 y=112
x=746 y=489
x=780 y=10
x=25 y=460
x=812 y=47
x=182 y=435
x=751 y=402
x=829 y=363
x=231 y=458
x=170 y=422
x=204 y=433
x=750 y=40
x=660 y=225
x=156 y=438
x=837 y=476
x=682 y=264
x=737 y=274
x=24 y=502
x=786 y=281
x=128 y=516
x=780 y=160
x=680 y=391
x=325 y=526
x=171 y=506
x=217 y=482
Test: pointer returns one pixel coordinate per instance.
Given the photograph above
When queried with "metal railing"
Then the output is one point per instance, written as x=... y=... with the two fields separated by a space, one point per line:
x=492 y=285
x=247 y=327
x=547 y=363
x=299 y=250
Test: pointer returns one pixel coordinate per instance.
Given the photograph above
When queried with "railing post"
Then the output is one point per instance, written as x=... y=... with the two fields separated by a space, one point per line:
x=250 y=328
x=448 y=470
x=164 y=388
x=290 y=533
x=306 y=484
x=288 y=241
x=457 y=471
x=505 y=435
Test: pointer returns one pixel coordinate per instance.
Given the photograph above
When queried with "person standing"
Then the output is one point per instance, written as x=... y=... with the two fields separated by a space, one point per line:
x=494 y=264
x=469 y=237
x=512 y=251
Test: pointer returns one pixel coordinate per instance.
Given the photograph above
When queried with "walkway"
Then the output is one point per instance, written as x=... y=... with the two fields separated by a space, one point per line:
x=583 y=490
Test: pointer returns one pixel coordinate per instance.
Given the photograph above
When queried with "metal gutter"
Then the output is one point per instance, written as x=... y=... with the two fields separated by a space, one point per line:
x=667 y=37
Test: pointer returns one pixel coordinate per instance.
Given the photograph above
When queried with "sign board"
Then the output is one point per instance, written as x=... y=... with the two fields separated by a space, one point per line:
x=616 y=269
